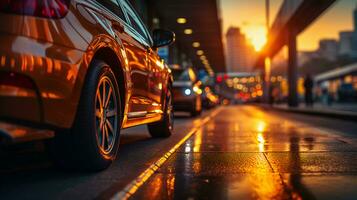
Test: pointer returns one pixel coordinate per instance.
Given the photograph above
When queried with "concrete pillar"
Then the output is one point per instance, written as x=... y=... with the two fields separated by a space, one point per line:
x=292 y=70
x=266 y=80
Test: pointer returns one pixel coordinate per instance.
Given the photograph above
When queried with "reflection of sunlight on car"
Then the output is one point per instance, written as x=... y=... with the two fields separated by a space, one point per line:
x=65 y=69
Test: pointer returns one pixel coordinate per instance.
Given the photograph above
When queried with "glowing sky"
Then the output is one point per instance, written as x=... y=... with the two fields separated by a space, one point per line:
x=249 y=15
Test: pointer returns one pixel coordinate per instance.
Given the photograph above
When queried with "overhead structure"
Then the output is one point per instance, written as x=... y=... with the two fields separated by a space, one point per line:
x=293 y=17
x=197 y=25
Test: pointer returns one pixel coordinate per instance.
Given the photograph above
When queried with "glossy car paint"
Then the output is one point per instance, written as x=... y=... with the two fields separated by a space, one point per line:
x=56 y=54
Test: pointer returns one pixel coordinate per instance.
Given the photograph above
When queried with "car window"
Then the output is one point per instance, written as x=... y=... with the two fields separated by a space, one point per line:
x=181 y=75
x=136 y=23
x=113 y=6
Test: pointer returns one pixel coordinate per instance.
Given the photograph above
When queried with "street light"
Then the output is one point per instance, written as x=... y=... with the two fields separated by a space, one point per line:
x=188 y=31
x=181 y=20
x=200 y=52
x=196 y=44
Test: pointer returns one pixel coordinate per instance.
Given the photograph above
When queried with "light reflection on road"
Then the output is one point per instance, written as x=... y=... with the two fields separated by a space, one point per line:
x=245 y=153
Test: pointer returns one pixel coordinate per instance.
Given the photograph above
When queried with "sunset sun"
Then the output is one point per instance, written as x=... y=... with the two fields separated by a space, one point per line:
x=256 y=36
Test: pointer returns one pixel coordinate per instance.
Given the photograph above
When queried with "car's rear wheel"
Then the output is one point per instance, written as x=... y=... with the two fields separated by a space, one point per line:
x=93 y=141
x=164 y=127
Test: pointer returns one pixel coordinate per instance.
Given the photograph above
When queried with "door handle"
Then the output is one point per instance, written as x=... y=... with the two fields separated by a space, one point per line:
x=118 y=26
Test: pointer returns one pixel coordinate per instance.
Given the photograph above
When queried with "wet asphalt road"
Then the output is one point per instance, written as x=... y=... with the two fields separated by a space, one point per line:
x=243 y=152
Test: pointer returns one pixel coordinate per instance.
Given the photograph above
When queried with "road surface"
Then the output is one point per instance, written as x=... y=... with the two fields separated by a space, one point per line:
x=232 y=152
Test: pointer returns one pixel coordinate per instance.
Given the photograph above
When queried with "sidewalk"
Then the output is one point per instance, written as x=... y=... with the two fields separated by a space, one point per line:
x=340 y=111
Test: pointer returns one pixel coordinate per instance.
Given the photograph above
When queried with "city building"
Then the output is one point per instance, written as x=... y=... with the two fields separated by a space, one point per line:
x=239 y=53
x=305 y=56
x=331 y=49
x=345 y=44
x=354 y=37
x=328 y=49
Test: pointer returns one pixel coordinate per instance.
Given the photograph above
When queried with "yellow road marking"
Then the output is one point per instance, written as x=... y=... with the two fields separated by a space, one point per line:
x=135 y=184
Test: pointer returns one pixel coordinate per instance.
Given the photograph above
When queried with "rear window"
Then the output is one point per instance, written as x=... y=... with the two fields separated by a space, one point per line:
x=136 y=22
x=113 y=6
x=136 y=25
x=180 y=75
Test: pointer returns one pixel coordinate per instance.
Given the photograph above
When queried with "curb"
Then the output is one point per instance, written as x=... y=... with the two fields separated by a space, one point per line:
x=343 y=115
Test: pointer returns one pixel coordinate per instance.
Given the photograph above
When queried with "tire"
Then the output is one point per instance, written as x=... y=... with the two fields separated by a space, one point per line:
x=164 y=128
x=93 y=140
x=196 y=107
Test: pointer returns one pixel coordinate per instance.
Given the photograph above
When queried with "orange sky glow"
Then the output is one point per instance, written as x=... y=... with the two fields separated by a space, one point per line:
x=250 y=17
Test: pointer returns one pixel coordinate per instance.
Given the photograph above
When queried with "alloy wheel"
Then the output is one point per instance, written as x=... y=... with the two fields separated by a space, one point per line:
x=106 y=113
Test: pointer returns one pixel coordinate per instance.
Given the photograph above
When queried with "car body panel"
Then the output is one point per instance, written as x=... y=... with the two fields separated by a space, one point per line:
x=57 y=53
x=14 y=28
x=55 y=70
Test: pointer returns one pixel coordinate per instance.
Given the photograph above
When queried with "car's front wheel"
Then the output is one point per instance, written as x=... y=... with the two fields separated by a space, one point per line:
x=164 y=128
x=93 y=141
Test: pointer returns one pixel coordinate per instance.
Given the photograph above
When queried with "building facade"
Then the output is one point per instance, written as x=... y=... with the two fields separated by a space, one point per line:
x=354 y=37
x=345 y=43
x=239 y=53
x=328 y=49
x=305 y=56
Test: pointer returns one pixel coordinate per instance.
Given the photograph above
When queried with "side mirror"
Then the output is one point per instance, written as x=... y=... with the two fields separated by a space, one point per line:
x=163 y=38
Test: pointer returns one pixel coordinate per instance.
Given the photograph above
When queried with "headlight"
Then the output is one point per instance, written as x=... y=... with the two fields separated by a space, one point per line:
x=195 y=88
x=188 y=92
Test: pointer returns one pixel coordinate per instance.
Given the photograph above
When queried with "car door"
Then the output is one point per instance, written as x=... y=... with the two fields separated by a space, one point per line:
x=136 y=46
x=154 y=65
x=156 y=81
x=156 y=77
x=135 y=53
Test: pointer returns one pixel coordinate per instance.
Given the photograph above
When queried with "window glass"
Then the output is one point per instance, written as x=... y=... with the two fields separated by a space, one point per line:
x=136 y=26
x=181 y=75
x=136 y=22
x=113 y=6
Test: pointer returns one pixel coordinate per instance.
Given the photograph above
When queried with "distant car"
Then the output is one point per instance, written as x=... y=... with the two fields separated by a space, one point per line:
x=81 y=71
x=210 y=100
x=347 y=93
x=186 y=91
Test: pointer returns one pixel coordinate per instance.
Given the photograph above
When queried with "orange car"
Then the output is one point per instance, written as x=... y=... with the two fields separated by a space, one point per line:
x=80 y=70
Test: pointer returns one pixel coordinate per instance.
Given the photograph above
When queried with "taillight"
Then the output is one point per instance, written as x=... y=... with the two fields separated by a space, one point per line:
x=39 y=8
